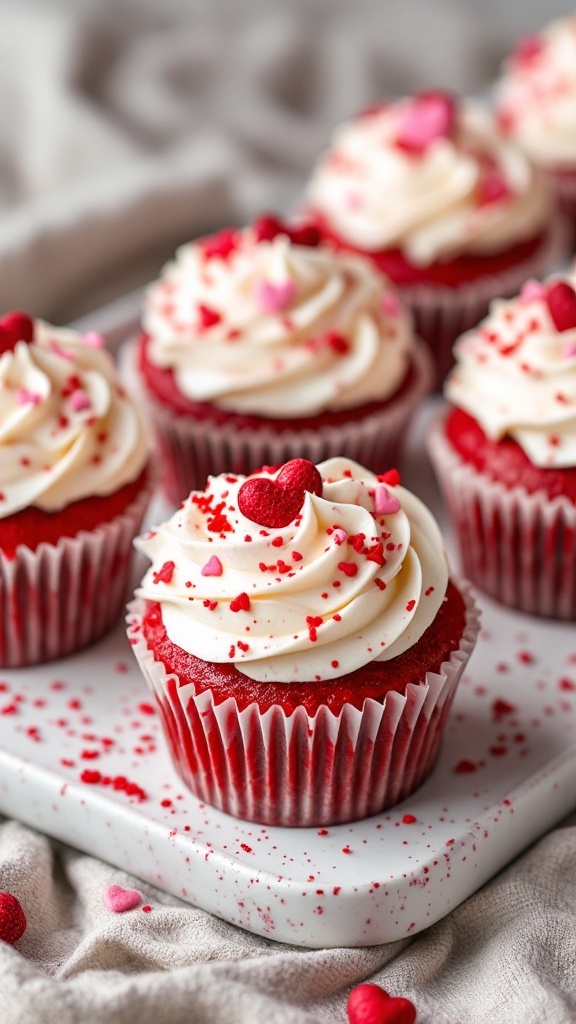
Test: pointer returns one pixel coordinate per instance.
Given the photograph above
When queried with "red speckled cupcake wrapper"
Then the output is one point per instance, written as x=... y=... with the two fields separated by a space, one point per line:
x=63 y=596
x=442 y=314
x=298 y=770
x=519 y=548
x=191 y=450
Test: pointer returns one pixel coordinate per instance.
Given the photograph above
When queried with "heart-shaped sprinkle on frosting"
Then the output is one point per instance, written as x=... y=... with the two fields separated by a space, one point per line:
x=276 y=503
x=532 y=291
x=370 y=1004
x=213 y=567
x=272 y=298
x=424 y=119
x=119 y=900
x=15 y=327
x=561 y=302
x=384 y=502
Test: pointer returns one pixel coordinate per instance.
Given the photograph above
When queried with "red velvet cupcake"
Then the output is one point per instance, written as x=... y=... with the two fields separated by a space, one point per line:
x=536 y=105
x=74 y=486
x=303 y=641
x=506 y=453
x=451 y=211
x=259 y=346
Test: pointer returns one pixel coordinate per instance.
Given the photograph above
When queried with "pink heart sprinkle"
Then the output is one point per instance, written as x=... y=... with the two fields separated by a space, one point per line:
x=569 y=350
x=25 y=397
x=79 y=400
x=213 y=567
x=390 y=305
x=492 y=187
x=532 y=291
x=339 y=536
x=274 y=297
x=384 y=502
x=423 y=120
x=119 y=899
x=93 y=339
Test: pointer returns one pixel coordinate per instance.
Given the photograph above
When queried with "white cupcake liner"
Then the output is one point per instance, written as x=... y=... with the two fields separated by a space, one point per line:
x=191 y=450
x=302 y=770
x=517 y=547
x=61 y=597
x=442 y=314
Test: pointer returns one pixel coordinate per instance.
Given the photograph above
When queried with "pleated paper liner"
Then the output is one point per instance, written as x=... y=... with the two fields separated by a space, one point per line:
x=61 y=597
x=517 y=547
x=300 y=770
x=191 y=450
x=442 y=314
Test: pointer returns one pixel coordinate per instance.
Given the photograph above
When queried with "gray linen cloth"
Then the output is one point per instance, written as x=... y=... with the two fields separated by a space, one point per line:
x=127 y=128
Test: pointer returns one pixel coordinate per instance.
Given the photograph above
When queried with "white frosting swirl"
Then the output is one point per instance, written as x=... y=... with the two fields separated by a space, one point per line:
x=516 y=375
x=374 y=195
x=536 y=96
x=319 y=606
x=67 y=429
x=294 y=330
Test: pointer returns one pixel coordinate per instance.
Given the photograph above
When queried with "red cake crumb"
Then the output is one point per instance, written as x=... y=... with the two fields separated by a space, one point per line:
x=162 y=385
x=505 y=460
x=33 y=526
x=450 y=273
x=373 y=680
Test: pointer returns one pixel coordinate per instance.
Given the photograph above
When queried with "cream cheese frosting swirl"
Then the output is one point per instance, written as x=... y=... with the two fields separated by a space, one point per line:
x=357 y=576
x=463 y=190
x=271 y=328
x=536 y=96
x=67 y=429
x=516 y=375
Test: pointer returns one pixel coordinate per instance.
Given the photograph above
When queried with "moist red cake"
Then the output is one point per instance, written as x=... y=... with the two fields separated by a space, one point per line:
x=73 y=490
x=505 y=454
x=311 y=354
x=301 y=571
x=390 y=187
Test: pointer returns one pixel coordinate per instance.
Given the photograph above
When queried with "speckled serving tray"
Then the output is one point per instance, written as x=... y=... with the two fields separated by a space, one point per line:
x=82 y=758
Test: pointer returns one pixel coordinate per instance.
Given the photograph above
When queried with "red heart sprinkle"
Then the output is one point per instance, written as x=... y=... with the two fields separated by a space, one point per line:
x=370 y=1004
x=15 y=327
x=12 y=918
x=276 y=503
x=240 y=603
x=165 y=573
x=561 y=302
x=392 y=477
x=221 y=244
x=528 y=49
x=492 y=187
x=208 y=317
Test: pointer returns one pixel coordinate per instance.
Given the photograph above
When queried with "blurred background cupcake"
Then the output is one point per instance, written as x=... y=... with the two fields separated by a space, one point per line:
x=443 y=203
x=505 y=454
x=74 y=485
x=259 y=345
x=300 y=633
x=536 y=105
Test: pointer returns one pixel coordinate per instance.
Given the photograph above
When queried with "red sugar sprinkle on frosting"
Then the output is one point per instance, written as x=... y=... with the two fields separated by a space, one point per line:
x=465 y=767
x=240 y=603
x=165 y=573
x=348 y=568
x=208 y=317
x=408 y=819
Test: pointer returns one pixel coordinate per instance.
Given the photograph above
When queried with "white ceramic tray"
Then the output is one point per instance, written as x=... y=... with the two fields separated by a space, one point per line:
x=82 y=759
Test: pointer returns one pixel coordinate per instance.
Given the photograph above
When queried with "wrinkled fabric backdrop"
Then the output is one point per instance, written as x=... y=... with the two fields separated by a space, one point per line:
x=126 y=128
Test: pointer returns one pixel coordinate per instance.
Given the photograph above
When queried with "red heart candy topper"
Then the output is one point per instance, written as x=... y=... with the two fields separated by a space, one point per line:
x=276 y=503
x=15 y=327
x=370 y=1004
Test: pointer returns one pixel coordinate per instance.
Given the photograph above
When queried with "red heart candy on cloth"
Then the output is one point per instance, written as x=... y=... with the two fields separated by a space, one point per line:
x=561 y=302
x=119 y=899
x=15 y=327
x=275 y=503
x=370 y=1004
x=427 y=117
x=12 y=918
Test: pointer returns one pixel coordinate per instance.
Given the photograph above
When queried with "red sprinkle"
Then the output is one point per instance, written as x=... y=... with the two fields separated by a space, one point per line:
x=165 y=573
x=348 y=568
x=208 y=317
x=240 y=603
